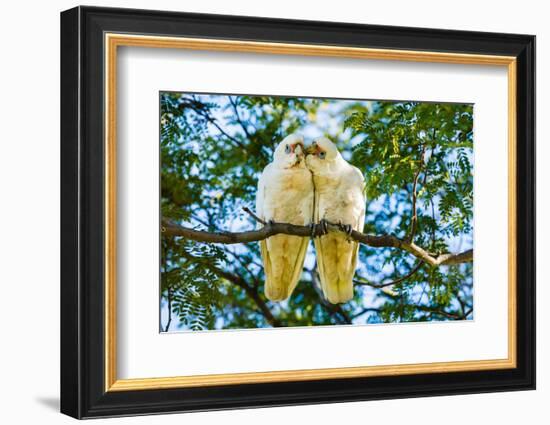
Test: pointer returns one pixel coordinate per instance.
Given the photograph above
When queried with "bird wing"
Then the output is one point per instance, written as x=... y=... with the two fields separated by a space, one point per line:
x=359 y=225
x=336 y=255
x=330 y=248
x=283 y=255
x=299 y=264
x=260 y=194
x=286 y=255
x=260 y=201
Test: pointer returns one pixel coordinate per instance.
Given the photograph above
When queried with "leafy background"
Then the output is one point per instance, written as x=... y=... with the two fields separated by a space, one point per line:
x=213 y=148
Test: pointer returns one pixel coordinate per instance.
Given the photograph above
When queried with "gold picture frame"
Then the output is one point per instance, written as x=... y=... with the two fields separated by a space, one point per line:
x=114 y=41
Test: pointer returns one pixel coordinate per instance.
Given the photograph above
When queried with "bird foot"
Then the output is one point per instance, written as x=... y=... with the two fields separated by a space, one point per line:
x=347 y=229
x=324 y=226
x=319 y=229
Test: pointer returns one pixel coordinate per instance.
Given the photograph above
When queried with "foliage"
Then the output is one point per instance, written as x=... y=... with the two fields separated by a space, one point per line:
x=416 y=157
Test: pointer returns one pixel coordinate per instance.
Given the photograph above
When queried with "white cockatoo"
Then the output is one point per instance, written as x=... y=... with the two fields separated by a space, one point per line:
x=339 y=198
x=285 y=194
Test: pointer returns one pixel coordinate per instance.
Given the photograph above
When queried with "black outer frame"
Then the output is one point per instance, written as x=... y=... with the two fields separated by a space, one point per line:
x=82 y=212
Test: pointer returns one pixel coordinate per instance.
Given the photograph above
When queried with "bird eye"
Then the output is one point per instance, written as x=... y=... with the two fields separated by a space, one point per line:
x=322 y=154
x=287 y=149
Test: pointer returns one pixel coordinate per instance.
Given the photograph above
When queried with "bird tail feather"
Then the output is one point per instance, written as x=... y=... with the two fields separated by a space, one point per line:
x=336 y=281
x=281 y=280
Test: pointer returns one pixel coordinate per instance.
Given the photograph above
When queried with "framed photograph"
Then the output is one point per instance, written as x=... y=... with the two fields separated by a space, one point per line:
x=261 y=212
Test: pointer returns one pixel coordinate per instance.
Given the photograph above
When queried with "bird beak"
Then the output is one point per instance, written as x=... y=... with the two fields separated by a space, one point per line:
x=298 y=150
x=311 y=149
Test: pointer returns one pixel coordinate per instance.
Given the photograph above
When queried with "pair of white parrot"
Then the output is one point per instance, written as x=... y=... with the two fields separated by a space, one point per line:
x=307 y=186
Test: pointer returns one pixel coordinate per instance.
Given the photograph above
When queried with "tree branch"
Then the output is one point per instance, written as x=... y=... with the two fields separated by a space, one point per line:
x=414 y=218
x=238 y=118
x=254 y=216
x=169 y=310
x=393 y=282
x=271 y=229
x=440 y=312
x=244 y=265
x=200 y=109
x=422 y=308
x=241 y=283
x=364 y=311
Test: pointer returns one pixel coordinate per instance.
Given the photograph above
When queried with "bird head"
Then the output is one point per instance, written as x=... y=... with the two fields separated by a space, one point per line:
x=320 y=153
x=290 y=152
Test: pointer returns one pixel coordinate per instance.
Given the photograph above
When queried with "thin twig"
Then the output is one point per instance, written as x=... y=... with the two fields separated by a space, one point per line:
x=244 y=265
x=254 y=216
x=422 y=308
x=199 y=110
x=169 y=310
x=436 y=311
x=239 y=281
x=243 y=126
x=393 y=282
x=365 y=310
x=414 y=218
